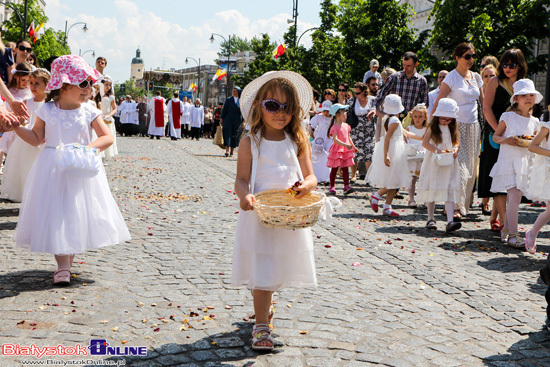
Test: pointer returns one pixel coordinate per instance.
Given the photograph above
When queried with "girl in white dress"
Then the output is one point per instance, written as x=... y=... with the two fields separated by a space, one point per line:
x=389 y=169
x=275 y=155
x=419 y=115
x=321 y=143
x=108 y=109
x=539 y=183
x=22 y=155
x=439 y=183
x=19 y=88
x=76 y=213
x=511 y=172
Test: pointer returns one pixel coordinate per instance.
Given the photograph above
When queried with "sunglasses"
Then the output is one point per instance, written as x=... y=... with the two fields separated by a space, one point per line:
x=470 y=56
x=273 y=106
x=510 y=65
x=339 y=90
x=445 y=119
x=23 y=48
x=85 y=84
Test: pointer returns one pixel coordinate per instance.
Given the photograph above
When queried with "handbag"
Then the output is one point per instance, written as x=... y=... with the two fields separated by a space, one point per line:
x=77 y=159
x=218 y=137
x=352 y=118
x=444 y=159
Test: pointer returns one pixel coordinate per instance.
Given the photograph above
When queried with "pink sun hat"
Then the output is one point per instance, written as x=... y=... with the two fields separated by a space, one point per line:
x=71 y=69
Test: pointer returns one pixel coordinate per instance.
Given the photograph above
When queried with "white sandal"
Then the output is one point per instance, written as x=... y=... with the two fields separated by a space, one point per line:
x=262 y=332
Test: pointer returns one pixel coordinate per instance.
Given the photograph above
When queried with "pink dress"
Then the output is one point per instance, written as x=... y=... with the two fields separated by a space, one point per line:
x=338 y=155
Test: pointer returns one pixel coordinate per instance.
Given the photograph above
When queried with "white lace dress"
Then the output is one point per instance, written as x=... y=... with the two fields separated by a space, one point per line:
x=397 y=175
x=539 y=180
x=268 y=258
x=20 y=160
x=61 y=213
x=106 y=108
x=514 y=163
x=439 y=183
x=415 y=163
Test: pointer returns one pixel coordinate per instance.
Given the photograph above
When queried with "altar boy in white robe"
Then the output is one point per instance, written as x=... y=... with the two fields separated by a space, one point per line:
x=185 y=118
x=175 y=112
x=156 y=124
x=196 y=119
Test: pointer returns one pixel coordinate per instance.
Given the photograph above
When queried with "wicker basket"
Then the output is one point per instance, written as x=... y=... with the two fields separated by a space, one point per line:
x=279 y=209
x=524 y=143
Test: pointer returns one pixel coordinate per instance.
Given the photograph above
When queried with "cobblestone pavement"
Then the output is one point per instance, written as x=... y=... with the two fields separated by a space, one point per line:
x=390 y=293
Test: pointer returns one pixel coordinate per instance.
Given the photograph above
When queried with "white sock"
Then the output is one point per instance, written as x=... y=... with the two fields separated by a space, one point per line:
x=376 y=196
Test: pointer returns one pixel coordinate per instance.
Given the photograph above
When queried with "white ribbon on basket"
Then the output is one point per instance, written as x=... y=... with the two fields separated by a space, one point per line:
x=329 y=205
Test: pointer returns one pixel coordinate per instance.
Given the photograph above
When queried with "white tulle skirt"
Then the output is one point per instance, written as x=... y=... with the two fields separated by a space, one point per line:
x=18 y=165
x=397 y=175
x=270 y=259
x=6 y=141
x=63 y=214
x=113 y=149
x=539 y=181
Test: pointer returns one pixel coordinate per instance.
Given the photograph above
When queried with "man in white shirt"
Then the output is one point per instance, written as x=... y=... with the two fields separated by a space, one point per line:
x=156 y=124
x=196 y=119
x=175 y=111
x=128 y=117
x=432 y=96
x=185 y=130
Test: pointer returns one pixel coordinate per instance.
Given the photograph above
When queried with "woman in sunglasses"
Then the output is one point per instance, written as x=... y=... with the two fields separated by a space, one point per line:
x=343 y=93
x=22 y=51
x=465 y=87
x=498 y=91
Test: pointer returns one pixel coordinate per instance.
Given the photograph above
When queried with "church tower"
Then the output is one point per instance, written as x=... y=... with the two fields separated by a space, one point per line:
x=136 y=72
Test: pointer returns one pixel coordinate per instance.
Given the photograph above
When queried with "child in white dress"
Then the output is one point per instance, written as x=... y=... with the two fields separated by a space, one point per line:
x=419 y=115
x=275 y=155
x=108 y=109
x=539 y=183
x=440 y=183
x=511 y=171
x=22 y=155
x=321 y=143
x=77 y=213
x=389 y=169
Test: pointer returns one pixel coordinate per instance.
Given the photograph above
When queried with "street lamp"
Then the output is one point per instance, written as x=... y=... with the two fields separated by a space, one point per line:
x=84 y=53
x=228 y=57
x=85 y=28
x=198 y=72
x=307 y=30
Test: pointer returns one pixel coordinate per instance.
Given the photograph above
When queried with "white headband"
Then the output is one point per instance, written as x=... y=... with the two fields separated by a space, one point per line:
x=13 y=71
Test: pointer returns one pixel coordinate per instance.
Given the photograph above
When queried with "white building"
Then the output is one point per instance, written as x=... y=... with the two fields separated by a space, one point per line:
x=6 y=12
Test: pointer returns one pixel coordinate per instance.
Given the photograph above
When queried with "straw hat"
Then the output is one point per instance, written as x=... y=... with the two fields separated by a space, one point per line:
x=325 y=106
x=305 y=92
x=525 y=86
x=393 y=105
x=446 y=107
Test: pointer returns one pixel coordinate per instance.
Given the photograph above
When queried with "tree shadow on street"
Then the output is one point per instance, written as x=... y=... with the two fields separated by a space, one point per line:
x=215 y=349
x=13 y=284
x=533 y=351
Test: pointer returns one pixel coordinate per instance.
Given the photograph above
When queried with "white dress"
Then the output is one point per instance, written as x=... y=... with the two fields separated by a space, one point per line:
x=9 y=137
x=20 y=160
x=539 y=180
x=106 y=109
x=267 y=258
x=437 y=183
x=514 y=163
x=319 y=147
x=415 y=163
x=60 y=213
x=397 y=175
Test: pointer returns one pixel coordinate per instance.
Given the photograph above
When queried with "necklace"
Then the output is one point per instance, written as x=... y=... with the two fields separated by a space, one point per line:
x=508 y=87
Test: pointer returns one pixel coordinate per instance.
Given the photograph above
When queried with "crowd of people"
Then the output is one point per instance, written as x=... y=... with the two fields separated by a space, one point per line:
x=474 y=131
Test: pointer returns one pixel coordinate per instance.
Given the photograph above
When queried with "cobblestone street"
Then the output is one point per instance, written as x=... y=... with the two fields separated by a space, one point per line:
x=390 y=293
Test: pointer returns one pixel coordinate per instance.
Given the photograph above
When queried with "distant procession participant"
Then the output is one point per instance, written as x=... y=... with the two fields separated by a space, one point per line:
x=432 y=96
x=185 y=118
x=196 y=119
x=175 y=111
x=156 y=124
x=128 y=117
x=100 y=65
x=108 y=109
x=231 y=119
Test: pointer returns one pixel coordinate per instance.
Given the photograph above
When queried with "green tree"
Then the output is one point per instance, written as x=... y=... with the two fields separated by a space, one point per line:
x=49 y=44
x=378 y=29
x=237 y=44
x=131 y=89
x=492 y=27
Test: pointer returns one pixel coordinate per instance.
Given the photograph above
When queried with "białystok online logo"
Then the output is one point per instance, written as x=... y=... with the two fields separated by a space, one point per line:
x=97 y=347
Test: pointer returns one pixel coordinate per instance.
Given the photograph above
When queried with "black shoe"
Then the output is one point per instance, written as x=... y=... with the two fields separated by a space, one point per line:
x=431 y=224
x=158 y=137
x=398 y=196
x=152 y=137
x=361 y=177
x=453 y=226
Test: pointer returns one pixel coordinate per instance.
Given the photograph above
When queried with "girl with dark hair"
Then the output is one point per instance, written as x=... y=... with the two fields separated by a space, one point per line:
x=342 y=96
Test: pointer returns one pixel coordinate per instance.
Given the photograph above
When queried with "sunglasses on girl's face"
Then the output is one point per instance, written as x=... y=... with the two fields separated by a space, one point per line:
x=341 y=90
x=510 y=65
x=469 y=56
x=23 y=48
x=85 y=84
x=273 y=106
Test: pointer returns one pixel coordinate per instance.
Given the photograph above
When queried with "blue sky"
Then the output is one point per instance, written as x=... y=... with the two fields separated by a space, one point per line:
x=168 y=31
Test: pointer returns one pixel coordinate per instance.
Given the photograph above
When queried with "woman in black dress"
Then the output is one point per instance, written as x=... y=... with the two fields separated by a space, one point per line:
x=497 y=99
